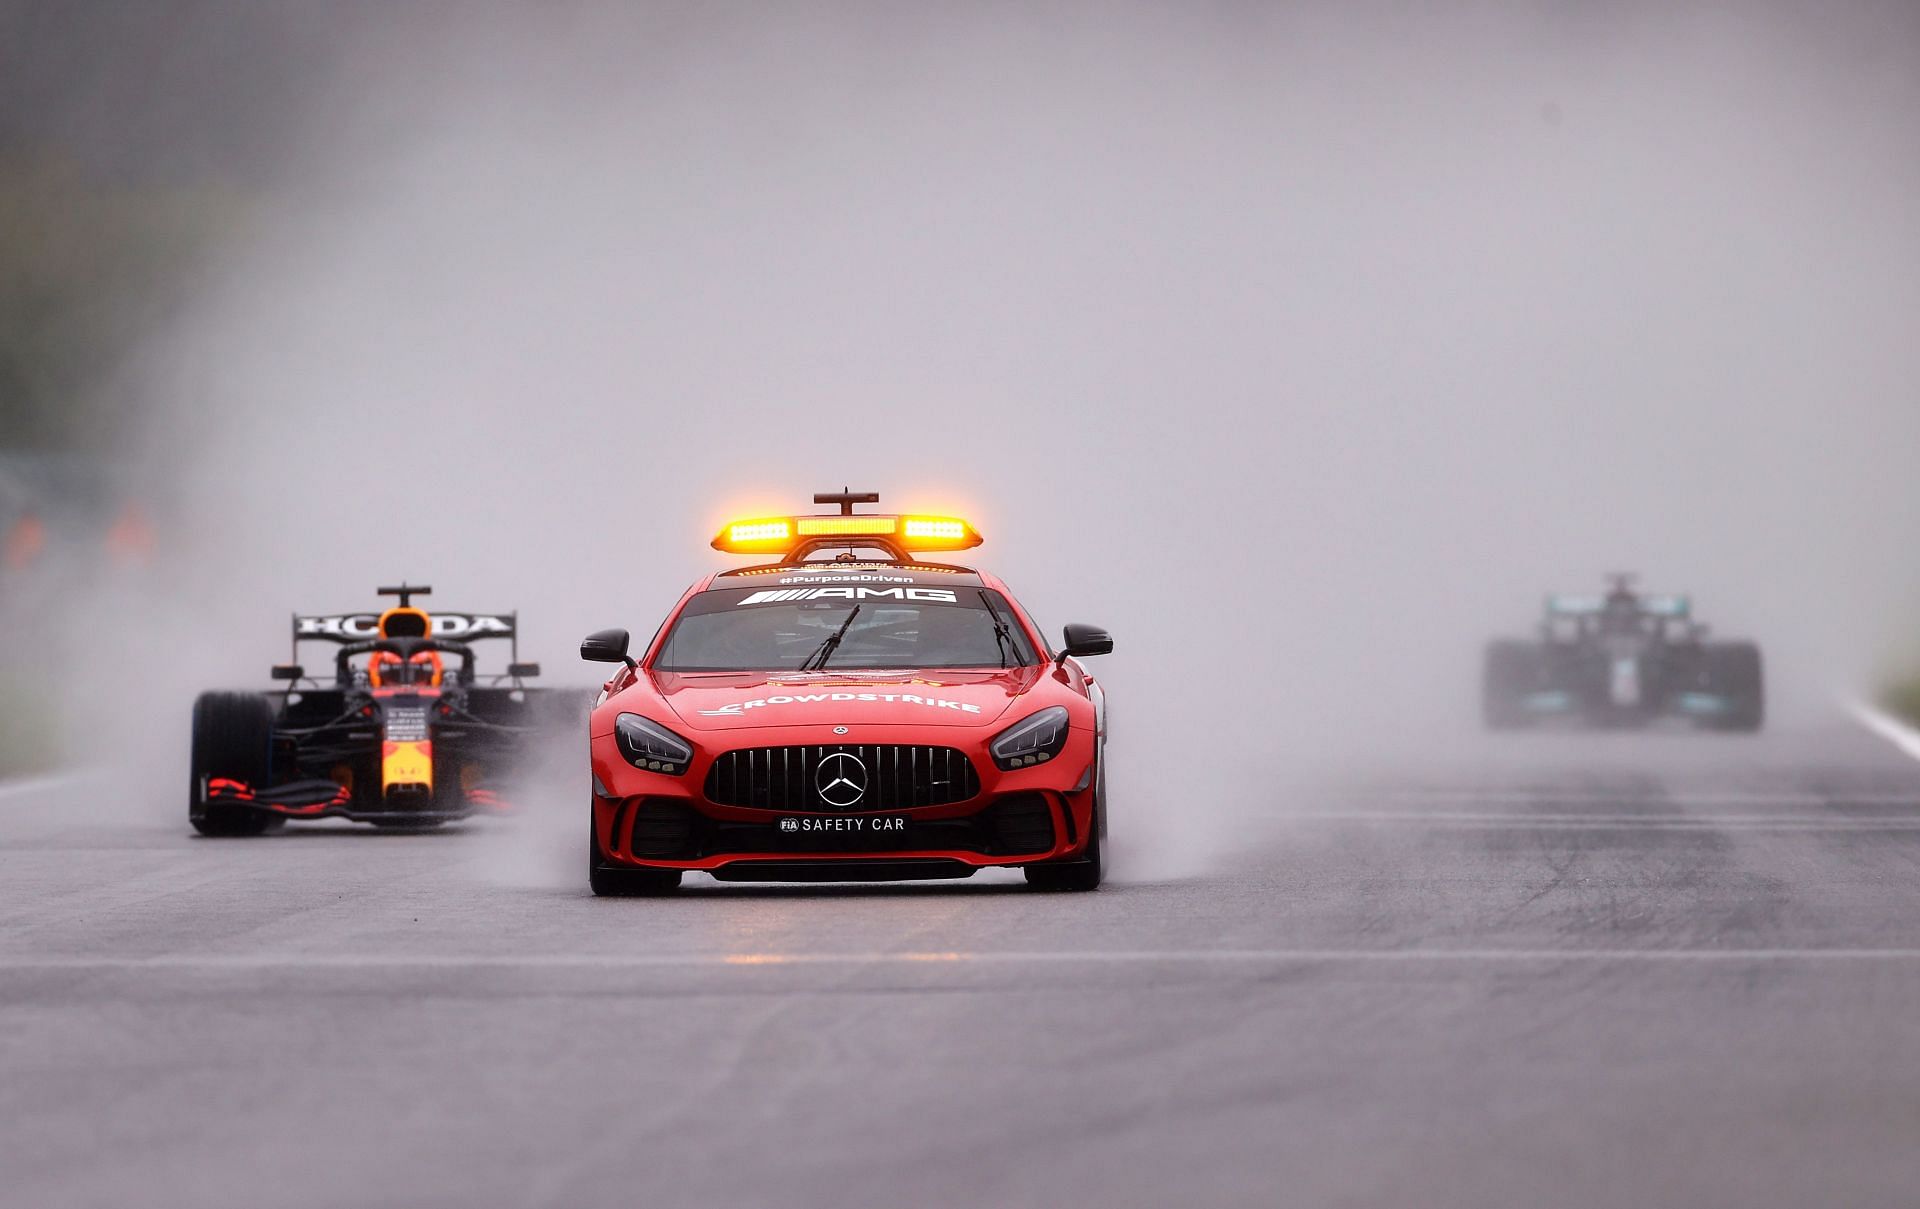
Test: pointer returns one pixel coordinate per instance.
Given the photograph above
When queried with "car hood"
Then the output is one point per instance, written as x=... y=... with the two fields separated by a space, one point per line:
x=738 y=701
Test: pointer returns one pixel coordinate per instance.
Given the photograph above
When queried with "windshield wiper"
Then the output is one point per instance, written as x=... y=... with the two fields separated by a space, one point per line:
x=818 y=660
x=1002 y=636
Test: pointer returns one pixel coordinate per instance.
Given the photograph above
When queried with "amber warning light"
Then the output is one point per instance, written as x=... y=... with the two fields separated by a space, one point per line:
x=779 y=534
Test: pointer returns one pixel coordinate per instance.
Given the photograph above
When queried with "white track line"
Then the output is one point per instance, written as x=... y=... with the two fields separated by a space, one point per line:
x=1190 y=957
x=1888 y=727
x=1562 y=797
x=1623 y=821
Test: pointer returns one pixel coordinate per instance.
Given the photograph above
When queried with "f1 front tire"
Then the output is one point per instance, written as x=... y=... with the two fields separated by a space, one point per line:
x=232 y=739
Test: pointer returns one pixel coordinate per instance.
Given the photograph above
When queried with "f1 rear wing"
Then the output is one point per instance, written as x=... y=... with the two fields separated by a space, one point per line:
x=1587 y=606
x=359 y=627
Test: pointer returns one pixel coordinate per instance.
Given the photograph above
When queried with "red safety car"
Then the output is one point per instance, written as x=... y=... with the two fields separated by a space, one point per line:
x=847 y=712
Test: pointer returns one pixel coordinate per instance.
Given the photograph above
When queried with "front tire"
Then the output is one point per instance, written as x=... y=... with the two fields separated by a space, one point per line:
x=1086 y=873
x=232 y=739
x=1073 y=877
x=609 y=881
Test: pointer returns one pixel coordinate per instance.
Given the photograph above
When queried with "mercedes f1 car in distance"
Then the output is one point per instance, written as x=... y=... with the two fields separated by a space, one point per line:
x=848 y=712
x=398 y=740
x=1623 y=659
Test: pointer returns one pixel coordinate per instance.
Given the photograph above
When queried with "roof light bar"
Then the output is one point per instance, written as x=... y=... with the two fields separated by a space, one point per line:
x=937 y=533
x=937 y=529
x=845 y=526
x=767 y=536
x=779 y=534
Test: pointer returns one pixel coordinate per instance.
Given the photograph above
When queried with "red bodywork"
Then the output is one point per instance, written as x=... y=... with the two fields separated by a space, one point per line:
x=961 y=709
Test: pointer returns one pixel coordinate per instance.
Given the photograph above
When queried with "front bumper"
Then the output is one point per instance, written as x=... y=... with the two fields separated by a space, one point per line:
x=652 y=820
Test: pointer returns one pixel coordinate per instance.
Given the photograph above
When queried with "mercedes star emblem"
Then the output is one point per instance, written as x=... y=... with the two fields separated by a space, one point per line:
x=840 y=779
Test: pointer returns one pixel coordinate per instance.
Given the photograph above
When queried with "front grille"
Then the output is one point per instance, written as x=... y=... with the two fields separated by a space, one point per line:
x=897 y=776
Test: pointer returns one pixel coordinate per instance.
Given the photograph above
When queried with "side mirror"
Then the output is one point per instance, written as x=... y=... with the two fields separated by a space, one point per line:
x=520 y=671
x=288 y=671
x=1082 y=639
x=605 y=646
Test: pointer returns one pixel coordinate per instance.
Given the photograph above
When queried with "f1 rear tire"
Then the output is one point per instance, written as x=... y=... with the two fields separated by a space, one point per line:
x=1512 y=671
x=232 y=739
x=1735 y=672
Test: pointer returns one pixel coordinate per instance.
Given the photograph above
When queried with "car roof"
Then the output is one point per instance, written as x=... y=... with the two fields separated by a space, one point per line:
x=849 y=573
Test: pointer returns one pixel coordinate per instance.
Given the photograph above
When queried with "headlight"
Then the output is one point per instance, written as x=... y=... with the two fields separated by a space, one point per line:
x=1034 y=740
x=651 y=746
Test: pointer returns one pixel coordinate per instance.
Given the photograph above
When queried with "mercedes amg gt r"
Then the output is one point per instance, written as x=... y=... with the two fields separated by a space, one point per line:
x=847 y=712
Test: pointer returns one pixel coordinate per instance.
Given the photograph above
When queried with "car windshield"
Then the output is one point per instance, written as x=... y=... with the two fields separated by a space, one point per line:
x=745 y=629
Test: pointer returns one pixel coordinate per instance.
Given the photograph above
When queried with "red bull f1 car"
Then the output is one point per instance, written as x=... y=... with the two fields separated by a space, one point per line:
x=1625 y=658
x=847 y=711
x=404 y=732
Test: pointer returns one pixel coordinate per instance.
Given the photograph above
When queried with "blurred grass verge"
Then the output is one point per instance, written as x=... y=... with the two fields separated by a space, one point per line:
x=94 y=268
x=1902 y=699
x=29 y=727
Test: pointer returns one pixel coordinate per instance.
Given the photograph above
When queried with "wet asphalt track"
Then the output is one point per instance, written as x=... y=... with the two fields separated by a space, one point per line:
x=1636 y=972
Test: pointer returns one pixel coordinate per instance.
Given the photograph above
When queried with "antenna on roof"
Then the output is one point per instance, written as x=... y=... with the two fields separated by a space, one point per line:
x=406 y=592
x=846 y=499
